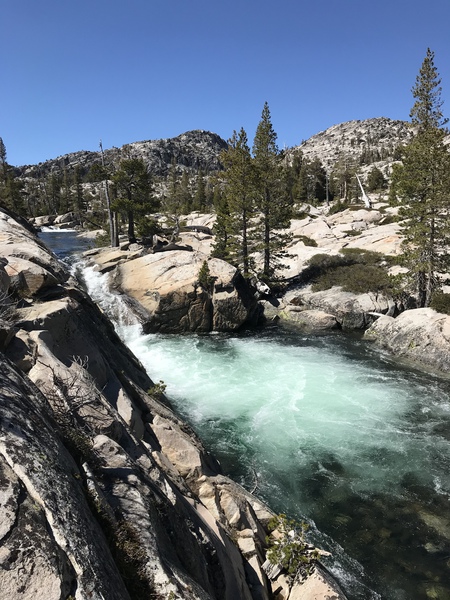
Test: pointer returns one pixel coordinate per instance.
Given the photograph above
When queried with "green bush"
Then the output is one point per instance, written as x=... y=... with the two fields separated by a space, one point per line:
x=357 y=278
x=388 y=219
x=289 y=548
x=441 y=302
x=102 y=240
x=353 y=232
x=306 y=240
x=355 y=270
x=337 y=207
x=366 y=257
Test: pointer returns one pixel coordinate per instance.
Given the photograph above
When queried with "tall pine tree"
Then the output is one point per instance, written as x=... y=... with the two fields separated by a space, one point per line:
x=422 y=185
x=239 y=189
x=270 y=199
x=134 y=192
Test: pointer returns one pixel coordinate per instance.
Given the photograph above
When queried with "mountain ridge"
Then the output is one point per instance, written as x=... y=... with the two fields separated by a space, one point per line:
x=362 y=142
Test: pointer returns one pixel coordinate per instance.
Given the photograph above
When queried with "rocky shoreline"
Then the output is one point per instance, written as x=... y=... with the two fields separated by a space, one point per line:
x=97 y=472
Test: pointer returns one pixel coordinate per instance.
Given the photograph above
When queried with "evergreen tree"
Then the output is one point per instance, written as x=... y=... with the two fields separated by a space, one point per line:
x=3 y=164
x=134 y=192
x=185 y=193
x=199 y=202
x=270 y=200
x=178 y=199
x=55 y=192
x=311 y=182
x=11 y=188
x=221 y=226
x=375 y=180
x=291 y=179
x=80 y=202
x=343 y=183
x=239 y=188
x=422 y=185
x=67 y=203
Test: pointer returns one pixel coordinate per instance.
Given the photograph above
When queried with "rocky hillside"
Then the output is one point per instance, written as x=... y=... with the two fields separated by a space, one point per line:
x=362 y=142
x=370 y=140
x=193 y=150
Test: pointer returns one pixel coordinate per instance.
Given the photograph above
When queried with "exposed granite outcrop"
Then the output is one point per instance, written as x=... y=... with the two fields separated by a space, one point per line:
x=104 y=492
x=332 y=308
x=169 y=296
x=420 y=335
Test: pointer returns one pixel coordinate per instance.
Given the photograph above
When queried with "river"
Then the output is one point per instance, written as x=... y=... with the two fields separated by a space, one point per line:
x=325 y=428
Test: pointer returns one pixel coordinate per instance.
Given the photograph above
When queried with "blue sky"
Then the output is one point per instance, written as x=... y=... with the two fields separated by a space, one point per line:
x=123 y=71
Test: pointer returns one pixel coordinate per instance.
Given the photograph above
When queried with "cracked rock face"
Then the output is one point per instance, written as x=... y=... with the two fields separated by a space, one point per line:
x=166 y=286
x=50 y=544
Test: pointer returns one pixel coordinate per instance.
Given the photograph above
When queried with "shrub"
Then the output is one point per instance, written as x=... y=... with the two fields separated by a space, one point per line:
x=102 y=240
x=388 y=219
x=306 y=240
x=441 y=302
x=289 y=548
x=366 y=257
x=353 y=232
x=337 y=207
x=205 y=280
x=358 y=279
x=355 y=270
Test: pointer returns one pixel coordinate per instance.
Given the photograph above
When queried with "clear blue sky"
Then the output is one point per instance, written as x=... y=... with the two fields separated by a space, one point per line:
x=131 y=70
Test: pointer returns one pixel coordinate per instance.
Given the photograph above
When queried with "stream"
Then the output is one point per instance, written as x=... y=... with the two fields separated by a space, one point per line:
x=325 y=428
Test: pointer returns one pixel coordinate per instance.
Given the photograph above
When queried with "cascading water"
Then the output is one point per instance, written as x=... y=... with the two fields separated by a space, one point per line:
x=326 y=429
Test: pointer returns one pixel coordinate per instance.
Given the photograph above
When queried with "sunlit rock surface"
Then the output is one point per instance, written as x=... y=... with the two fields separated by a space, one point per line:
x=421 y=335
x=172 y=299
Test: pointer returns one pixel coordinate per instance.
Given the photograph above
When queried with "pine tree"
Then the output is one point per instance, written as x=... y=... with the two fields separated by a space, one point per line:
x=67 y=203
x=178 y=199
x=270 y=200
x=3 y=163
x=54 y=187
x=221 y=226
x=134 y=192
x=375 y=180
x=11 y=188
x=422 y=186
x=80 y=202
x=239 y=189
x=199 y=202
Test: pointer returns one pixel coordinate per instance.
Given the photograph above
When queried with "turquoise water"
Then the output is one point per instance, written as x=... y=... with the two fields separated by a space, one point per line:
x=327 y=429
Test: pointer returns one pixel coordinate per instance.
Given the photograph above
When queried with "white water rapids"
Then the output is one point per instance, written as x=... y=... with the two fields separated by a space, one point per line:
x=327 y=429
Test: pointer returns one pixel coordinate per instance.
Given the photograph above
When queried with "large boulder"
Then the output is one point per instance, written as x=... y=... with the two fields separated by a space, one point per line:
x=30 y=266
x=352 y=311
x=167 y=289
x=310 y=320
x=421 y=335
